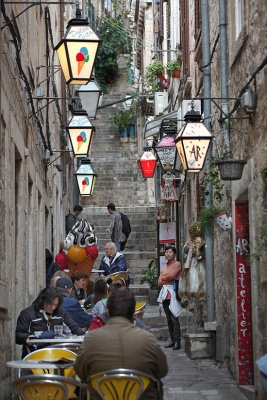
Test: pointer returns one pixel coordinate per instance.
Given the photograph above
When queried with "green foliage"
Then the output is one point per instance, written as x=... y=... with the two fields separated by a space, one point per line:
x=115 y=41
x=207 y=215
x=151 y=274
x=123 y=118
x=173 y=66
x=153 y=69
x=213 y=179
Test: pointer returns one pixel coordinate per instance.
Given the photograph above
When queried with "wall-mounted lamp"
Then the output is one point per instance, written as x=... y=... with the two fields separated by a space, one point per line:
x=166 y=152
x=147 y=163
x=77 y=51
x=80 y=131
x=85 y=178
x=192 y=142
x=89 y=95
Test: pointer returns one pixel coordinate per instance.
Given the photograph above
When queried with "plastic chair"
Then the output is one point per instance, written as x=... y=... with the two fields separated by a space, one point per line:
x=74 y=347
x=52 y=354
x=117 y=275
x=120 y=384
x=49 y=387
x=140 y=309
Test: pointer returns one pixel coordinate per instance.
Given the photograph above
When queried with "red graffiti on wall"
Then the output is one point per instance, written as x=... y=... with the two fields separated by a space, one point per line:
x=243 y=285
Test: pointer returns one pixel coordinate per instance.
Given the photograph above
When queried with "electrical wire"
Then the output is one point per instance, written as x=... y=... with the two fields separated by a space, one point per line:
x=23 y=76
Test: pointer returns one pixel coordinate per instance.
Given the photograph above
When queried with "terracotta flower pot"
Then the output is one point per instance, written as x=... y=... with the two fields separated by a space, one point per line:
x=176 y=73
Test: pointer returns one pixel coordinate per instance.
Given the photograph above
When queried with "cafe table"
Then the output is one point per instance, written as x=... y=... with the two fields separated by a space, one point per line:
x=63 y=339
x=39 y=364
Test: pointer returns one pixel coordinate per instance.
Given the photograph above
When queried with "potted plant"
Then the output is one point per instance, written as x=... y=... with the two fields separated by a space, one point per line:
x=210 y=214
x=173 y=68
x=151 y=277
x=154 y=73
x=122 y=119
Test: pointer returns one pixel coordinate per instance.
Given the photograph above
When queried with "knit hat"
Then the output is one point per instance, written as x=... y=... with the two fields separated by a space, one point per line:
x=64 y=283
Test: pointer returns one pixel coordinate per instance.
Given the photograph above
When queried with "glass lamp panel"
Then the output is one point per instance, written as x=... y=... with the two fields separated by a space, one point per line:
x=147 y=164
x=180 y=150
x=85 y=179
x=89 y=95
x=81 y=140
x=62 y=56
x=86 y=184
x=82 y=57
x=194 y=130
x=80 y=121
x=195 y=151
x=166 y=151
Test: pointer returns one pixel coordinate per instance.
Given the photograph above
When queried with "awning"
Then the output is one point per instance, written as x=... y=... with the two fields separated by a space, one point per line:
x=153 y=127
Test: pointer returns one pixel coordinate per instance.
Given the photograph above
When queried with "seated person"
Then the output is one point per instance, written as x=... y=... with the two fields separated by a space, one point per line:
x=42 y=315
x=80 y=283
x=57 y=275
x=120 y=344
x=71 y=304
x=113 y=261
x=60 y=257
x=99 y=293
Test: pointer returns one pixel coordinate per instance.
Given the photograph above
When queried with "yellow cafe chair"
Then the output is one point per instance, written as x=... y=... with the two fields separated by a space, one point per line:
x=120 y=384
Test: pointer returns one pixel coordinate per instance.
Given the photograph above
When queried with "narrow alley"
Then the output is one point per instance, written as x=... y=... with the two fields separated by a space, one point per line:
x=197 y=379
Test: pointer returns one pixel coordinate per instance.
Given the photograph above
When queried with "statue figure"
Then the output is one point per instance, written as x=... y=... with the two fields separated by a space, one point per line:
x=192 y=283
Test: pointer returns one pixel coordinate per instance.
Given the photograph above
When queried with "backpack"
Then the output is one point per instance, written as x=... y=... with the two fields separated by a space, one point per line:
x=126 y=226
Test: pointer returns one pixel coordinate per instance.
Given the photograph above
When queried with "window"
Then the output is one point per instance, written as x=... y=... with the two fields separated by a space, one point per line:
x=238 y=18
x=238 y=11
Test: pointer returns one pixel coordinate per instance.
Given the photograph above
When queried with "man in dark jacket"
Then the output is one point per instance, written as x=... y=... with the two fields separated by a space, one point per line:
x=119 y=344
x=72 y=218
x=71 y=304
x=42 y=315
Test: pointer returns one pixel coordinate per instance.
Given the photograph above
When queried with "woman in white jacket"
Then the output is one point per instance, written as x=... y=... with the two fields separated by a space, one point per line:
x=167 y=296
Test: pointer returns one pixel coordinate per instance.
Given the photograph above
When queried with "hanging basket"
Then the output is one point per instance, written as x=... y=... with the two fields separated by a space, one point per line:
x=231 y=170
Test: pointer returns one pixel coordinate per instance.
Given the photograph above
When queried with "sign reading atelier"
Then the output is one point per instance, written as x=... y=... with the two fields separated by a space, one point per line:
x=243 y=293
x=192 y=144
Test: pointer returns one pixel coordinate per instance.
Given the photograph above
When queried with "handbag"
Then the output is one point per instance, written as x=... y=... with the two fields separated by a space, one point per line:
x=175 y=287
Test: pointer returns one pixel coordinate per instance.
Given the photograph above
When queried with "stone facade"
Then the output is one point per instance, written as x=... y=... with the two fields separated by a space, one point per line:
x=34 y=196
x=245 y=66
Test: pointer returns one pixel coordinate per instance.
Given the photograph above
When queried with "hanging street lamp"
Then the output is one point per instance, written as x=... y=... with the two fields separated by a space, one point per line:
x=85 y=178
x=192 y=142
x=77 y=51
x=166 y=152
x=89 y=95
x=147 y=163
x=80 y=131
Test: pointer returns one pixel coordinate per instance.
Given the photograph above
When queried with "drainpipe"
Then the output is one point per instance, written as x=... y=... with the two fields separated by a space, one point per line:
x=224 y=72
x=207 y=114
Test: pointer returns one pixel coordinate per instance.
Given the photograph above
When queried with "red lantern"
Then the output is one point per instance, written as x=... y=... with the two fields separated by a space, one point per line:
x=147 y=164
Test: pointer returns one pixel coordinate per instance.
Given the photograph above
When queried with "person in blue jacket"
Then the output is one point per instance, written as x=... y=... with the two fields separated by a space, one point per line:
x=72 y=306
x=113 y=261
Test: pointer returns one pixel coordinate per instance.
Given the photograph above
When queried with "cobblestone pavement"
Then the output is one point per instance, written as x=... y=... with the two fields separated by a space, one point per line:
x=197 y=380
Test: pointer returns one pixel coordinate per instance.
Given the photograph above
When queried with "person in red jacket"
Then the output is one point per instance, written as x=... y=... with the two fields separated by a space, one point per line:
x=60 y=258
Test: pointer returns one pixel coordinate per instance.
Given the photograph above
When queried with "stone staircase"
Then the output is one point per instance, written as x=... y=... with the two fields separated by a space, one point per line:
x=119 y=181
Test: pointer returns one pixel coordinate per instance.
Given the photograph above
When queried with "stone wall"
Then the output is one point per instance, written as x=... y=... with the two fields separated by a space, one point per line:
x=31 y=195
